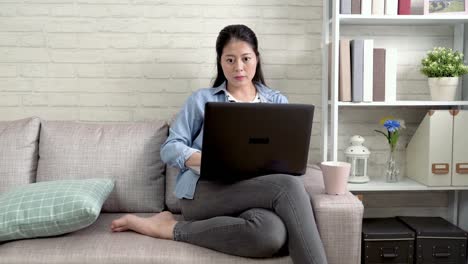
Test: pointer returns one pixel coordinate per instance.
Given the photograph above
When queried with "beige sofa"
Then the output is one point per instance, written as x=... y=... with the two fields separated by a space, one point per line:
x=34 y=150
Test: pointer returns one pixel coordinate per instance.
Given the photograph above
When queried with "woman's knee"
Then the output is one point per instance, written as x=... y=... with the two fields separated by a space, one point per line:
x=268 y=234
x=287 y=183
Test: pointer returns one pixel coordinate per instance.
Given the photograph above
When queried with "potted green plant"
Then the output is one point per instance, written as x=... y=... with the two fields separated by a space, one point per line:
x=443 y=67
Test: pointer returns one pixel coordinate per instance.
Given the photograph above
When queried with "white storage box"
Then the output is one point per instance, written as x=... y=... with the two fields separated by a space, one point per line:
x=460 y=149
x=437 y=154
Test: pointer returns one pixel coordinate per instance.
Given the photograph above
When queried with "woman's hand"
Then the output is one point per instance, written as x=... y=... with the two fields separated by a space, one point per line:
x=194 y=160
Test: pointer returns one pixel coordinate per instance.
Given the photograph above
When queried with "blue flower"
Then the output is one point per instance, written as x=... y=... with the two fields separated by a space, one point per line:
x=392 y=125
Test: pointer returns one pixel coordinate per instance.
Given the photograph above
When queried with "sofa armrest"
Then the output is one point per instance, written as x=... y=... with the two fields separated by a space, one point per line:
x=339 y=220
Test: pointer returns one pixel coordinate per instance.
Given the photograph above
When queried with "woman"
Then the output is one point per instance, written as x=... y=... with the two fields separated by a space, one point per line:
x=250 y=218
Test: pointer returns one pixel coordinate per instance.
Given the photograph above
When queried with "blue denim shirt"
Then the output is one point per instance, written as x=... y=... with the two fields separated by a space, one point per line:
x=186 y=132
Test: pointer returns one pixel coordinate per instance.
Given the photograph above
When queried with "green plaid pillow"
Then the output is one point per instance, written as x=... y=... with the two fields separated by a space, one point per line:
x=51 y=208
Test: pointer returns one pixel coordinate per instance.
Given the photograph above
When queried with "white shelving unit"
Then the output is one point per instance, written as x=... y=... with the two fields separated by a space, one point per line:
x=406 y=184
x=404 y=103
x=334 y=24
x=400 y=20
x=332 y=21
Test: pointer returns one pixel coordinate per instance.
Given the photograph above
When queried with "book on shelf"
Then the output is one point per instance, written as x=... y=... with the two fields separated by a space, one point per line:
x=356 y=6
x=368 y=70
x=344 y=93
x=357 y=69
x=378 y=7
x=345 y=6
x=379 y=75
x=417 y=7
x=366 y=74
x=404 y=7
x=366 y=7
x=391 y=7
x=391 y=62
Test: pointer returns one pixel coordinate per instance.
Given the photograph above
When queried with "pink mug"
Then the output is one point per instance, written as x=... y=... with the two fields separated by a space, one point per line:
x=335 y=176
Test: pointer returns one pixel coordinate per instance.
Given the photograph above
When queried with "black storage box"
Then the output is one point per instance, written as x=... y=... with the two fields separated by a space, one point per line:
x=437 y=240
x=386 y=240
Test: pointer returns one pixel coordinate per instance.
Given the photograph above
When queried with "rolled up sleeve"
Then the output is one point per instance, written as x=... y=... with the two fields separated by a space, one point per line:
x=178 y=146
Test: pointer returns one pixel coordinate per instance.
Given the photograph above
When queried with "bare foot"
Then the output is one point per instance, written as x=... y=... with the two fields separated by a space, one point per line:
x=159 y=225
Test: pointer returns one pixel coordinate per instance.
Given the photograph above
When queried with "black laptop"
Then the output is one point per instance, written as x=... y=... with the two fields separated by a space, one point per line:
x=245 y=140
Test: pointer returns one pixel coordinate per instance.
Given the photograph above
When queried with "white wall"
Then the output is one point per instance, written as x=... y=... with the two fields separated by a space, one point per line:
x=129 y=60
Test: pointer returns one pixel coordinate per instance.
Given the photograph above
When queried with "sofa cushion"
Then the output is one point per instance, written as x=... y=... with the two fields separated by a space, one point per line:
x=18 y=152
x=127 y=153
x=313 y=180
x=97 y=244
x=51 y=208
x=172 y=202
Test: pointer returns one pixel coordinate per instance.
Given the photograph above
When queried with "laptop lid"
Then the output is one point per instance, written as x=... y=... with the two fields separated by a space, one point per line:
x=245 y=140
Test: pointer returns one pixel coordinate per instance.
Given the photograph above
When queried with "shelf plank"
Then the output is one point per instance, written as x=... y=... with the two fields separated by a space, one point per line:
x=405 y=103
x=402 y=19
x=405 y=184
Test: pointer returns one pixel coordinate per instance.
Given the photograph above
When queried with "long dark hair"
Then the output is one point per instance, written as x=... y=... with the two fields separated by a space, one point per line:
x=238 y=32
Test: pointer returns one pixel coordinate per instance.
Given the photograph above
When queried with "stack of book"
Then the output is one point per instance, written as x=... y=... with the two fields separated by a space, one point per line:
x=375 y=7
x=366 y=74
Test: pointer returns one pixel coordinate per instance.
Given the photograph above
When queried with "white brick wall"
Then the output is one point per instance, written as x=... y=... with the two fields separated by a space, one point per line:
x=128 y=60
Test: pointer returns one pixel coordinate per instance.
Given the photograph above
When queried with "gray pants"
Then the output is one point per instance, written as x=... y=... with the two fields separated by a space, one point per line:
x=253 y=218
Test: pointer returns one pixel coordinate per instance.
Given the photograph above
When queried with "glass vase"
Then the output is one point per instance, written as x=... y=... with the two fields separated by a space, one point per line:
x=391 y=167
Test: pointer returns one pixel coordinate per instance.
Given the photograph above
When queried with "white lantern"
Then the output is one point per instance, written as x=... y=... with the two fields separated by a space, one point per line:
x=357 y=155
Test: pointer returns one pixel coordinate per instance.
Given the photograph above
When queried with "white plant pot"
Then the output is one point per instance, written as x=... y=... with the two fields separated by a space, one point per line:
x=443 y=88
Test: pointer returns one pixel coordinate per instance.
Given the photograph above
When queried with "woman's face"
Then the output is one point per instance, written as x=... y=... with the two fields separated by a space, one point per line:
x=239 y=63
